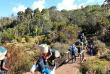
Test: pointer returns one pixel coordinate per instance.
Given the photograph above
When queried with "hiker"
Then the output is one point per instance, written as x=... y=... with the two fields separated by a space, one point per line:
x=85 y=42
x=91 y=49
x=73 y=52
x=81 y=37
x=79 y=46
x=3 y=64
x=52 y=60
x=79 y=33
x=45 y=57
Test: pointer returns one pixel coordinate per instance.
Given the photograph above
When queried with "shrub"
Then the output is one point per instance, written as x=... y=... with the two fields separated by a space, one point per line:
x=95 y=66
x=37 y=41
x=106 y=56
x=61 y=47
x=19 y=39
x=27 y=38
x=100 y=47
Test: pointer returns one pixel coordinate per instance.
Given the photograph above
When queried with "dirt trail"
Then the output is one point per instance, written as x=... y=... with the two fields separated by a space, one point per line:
x=70 y=68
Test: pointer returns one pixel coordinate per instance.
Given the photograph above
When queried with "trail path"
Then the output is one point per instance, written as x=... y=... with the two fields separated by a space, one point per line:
x=70 y=68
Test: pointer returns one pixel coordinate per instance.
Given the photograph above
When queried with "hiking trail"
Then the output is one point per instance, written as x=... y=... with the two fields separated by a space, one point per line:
x=69 y=68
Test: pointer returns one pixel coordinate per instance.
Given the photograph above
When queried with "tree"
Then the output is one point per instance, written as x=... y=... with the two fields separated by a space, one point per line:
x=36 y=11
x=52 y=8
x=43 y=11
x=28 y=13
x=38 y=31
x=20 y=16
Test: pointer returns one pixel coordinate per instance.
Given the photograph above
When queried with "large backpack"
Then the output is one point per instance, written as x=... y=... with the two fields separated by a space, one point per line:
x=78 y=43
x=41 y=65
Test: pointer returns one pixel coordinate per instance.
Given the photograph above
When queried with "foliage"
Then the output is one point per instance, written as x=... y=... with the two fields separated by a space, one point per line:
x=61 y=47
x=19 y=39
x=100 y=47
x=95 y=66
x=27 y=38
x=106 y=56
x=38 y=31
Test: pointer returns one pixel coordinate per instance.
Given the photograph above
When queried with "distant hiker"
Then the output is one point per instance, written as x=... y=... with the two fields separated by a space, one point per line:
x=79 y=46
x=81 y=37
x=85 y=42
x=52 y=60
x=91 y=49
x=3 y=64
x=79 y=33
x=73 y=52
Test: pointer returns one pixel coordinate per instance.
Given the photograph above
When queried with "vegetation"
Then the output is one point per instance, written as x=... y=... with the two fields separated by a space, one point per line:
x=58 y=29
x=95 y=66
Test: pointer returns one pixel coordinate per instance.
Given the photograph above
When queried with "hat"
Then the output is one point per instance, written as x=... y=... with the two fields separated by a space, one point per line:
x=43 y=48
x=3 y=52
x=2 y=55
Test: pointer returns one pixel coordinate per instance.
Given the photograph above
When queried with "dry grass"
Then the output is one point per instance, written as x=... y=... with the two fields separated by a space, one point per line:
x=95 y=66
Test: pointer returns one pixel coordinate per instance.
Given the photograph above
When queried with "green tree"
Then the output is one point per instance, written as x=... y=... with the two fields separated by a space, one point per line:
x=38 y=31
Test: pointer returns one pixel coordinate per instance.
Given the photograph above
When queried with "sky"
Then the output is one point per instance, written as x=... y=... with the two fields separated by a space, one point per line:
x=9 y=7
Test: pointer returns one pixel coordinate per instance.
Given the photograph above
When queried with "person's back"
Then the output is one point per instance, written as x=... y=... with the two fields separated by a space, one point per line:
x=79 y=46
x=91 y=49
x=73 y=52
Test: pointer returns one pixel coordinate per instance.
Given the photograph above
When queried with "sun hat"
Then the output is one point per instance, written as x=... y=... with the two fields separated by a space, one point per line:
x=43 y=48
x=3 y=52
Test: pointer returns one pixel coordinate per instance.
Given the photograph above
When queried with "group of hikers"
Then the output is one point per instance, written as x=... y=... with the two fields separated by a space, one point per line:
x=48 y=56
x=81 y=45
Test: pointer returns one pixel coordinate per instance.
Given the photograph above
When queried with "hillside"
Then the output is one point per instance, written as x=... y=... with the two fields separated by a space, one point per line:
x=59 y=29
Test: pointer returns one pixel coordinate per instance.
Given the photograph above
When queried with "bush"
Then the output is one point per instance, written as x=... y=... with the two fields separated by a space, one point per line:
x=95 y=66
x=100 y=47
x=61 y=47
x=19 y=39
x=37 y=41
x=106 y=56
x=27 y=38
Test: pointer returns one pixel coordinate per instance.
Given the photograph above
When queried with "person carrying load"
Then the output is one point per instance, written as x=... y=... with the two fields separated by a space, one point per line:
x=52 y=60
x=41 y=64
x=3 y=60
x=79 y=46
x=73 y=52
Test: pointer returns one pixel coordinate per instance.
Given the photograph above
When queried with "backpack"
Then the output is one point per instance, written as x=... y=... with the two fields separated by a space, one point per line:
x=78 y=43
x=41 y=65
x=73 y=49
x=85 y=42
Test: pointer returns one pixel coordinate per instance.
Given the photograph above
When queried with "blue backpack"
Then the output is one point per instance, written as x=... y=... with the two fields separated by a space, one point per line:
x=73 y=49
